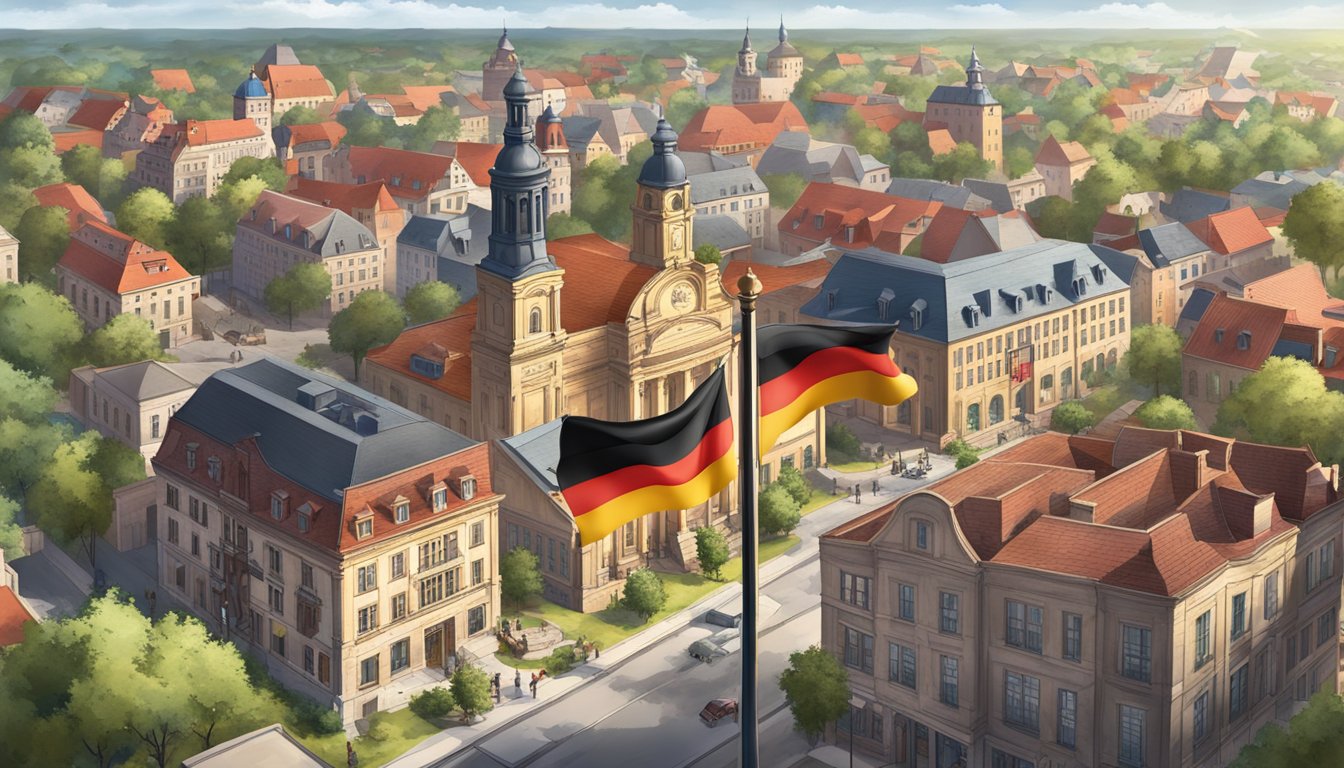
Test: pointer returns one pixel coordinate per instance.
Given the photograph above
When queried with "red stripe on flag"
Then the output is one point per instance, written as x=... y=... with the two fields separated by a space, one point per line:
x=593 y=493
x=819 y=366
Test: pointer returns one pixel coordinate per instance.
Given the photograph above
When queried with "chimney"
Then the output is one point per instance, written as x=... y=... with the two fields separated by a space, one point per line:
x=1189 y=472
x=1247 y=514
x=1083 y=511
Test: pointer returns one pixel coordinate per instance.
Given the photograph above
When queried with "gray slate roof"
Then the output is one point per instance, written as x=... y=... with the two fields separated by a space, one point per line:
x=309 y=447
x=145 y=380
x=580 y=130
x=1041 y=273
x=1276 y=190
x=537 y=451
x=1188 y=205
x=1170 y=243
x=996 y=192
x=423 y=232
x=717 y=185
x=719 y=230
x=961 y=94
x=705 y=162
x=947 y=194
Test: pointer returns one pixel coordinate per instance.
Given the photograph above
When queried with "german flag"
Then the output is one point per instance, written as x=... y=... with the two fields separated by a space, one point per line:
x=806 y=367
x=613 y=472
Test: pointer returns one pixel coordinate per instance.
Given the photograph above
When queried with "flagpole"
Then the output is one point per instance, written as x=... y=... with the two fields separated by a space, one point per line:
x=749 y=289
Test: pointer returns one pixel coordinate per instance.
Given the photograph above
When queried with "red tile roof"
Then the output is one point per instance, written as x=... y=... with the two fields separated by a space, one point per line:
x=1233 y=231
x=1143 y=83
x=885 y=117
x=831 y=97
x=600 y=284
x=743 y=125
x=422 y=97
x=476 y=159
x=1263 y=322
x=13 y=618
x=67 y=140
x=941 y=141
x=1117 y=224
x=129 y=266
x=343 y=197
x=774 y=278
x=1157 y=527
x=1053 y=152
x=98 y=114
x=400 y=169
x=172 y=80
x=297 y=81
x=73 y=198
x=884 y=221
x=848 y=59
x=201 y=132
x=329 y=131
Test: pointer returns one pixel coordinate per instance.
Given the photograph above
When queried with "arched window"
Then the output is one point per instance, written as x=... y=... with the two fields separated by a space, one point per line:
x=676 y=202
x=534 y=321
x=541 y=209
x=1192 y=387
x=1066 y=383
x=973 y=417
x=1101 y=362
x=1047 y=388
x=524 y=215
x=996 y=409
x=1112 y=358
x=807 y=457
x=903 y=413
x=648 y=201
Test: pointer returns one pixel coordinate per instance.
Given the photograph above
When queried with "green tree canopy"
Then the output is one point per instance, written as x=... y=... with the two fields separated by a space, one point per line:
x=961 y=163
x=816 y=688
x=372 y=320
x=644 y=593
x=708 y=253
x=682 y=106
x=560 y=225
x=146 y=215
x=519 y=578
x=1071 y=417
x=23 y=396
x=43 y=234
x=15 y=200
x=1286 y=403
x=711 y=549
x=1314 y=225
x=779 y=512
x=1154 y=357
x=237 y=198
x=200 y=237
x=1165 y=412
x=25 y=451
x=123 y=339
x=303 y=288
x=103 y=177
x=268 y=169
x=300 y=116
x=71 y=501
x=437 y=124
x=430 y=300
x=785 y=188
x=470 y=687
x=38 y=330
x=116 y=463
x=792 y=480
x=1315 y=736
x=11 y=533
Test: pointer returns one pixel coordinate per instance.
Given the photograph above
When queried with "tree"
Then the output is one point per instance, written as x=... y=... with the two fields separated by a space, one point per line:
x=470 y=687
x=15 y=200
x=123 y=339
x=816 y=688
x=268 y=169
x=1314 y=225
x=71 y=501
x=785 y=188
x=23 y=129
x=11 y=533
x=23 y=396
x=437 y=124
x=711 y=549
x=103 y=177
x=31 y=167
x=791 y=480
x=708 y=253
x=236 y=199
x=961 y=163
x=43 y=234
x=115 y=463
x=1154 y=357
x=38 y=330
x=519 y=578
x=1072 y=417
x=560 y=225
x=302 y=289
x=1165 y=412
x=25 y=450
x=778 y=511
x=372 y=320
x=430 y=300
x=146 y=215
x=433 y=704
x=684 y=105
x=644 y=593
x=200 y=237
x=841 y=443
x=300 y=116
x=1285 y=403
x=1315 y=736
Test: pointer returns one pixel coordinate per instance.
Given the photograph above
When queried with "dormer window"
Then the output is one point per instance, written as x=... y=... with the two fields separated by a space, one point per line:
x=831 y=296
x=215 y=468
x=279 y=504
x=466 y=487
x=1079 y=286
x=972 y=314
x=818 y=221
x=364 y=528
x=1331 y=355
x=849 y=234
x=1099 y=272
x=884 y=303
x=438 y=497
x=289 y=232
x=401 y=510
x=396 y=181
x=191 y=456
x=415 y=184
x=1218 y=336
x=1244 y=340
x=306 y=513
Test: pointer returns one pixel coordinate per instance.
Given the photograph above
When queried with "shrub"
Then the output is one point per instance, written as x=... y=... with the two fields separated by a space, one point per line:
x=434 y=704
x=644 y=593
x=791 y=480
x=561 y=660
x=964 y=453
x=379 y=730
x=778 y=511
x=841 y=443
x=711 y=549
x=1071 y=417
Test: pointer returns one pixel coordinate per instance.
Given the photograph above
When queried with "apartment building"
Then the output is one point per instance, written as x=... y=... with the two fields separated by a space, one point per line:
x=420 y=182
x=344 y=541
x=190 y=159
x=106 y=273
x=993 y=340
x=1144 y=602
x=737 y=193
x=281 y=231
x=370 y=204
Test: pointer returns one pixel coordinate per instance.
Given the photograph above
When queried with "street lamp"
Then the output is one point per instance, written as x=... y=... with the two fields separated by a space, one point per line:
x=855 y=702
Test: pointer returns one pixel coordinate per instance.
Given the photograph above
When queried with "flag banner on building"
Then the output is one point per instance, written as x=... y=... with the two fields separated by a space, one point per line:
x=806 y=367
x=613 y=472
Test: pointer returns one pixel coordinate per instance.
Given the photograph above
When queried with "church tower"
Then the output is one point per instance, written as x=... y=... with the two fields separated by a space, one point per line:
x=551 y=142
x=784 y=61
x=662 y=210
x=517 y=372
x=970 y=113
x=496 y=73
x=252 y=102
x=746 y=79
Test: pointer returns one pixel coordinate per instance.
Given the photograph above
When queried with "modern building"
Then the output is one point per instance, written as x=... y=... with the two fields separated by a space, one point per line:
x=737 y=193
x=9 y=257
x=344 y=541
x=129 y=403
x=994 y=341
x=783 y=69
x=969 y=113
x=106 y=273
x=190 y=159
x=1151 y=600
x=577 y=325
x=1062 y=165
x=838 y=216
x=280 y=231
x=370 y=204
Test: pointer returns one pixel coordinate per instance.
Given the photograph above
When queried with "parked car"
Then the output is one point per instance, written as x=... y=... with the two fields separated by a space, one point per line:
x=238 y=338
x=717 y=710
x=721 y=643
x=722 y=619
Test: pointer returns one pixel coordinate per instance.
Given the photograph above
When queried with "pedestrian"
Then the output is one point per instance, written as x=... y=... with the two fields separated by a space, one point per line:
x=835 y=487
x=518 y=682
x=351 y=757
x=597 y=652
x=857 y=493
x=875 y=486
x=881 y=451
x=153 y=600
x=534 y=685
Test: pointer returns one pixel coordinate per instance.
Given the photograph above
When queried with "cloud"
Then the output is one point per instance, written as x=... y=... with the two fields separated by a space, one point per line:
x=987 y=10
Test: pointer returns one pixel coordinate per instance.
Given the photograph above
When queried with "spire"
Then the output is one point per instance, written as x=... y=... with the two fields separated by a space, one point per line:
x=504 y=42
x=746 y=39
x=975 y=74
x=783 y=33
x=664 y=169
x=518 y=192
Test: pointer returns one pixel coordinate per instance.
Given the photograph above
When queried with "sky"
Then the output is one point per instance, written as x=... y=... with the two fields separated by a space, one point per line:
x=670 y=14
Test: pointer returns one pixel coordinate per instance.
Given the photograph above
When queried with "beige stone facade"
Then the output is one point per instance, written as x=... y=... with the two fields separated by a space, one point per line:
x=190 y=159
x=129 y=403
x=9 y=257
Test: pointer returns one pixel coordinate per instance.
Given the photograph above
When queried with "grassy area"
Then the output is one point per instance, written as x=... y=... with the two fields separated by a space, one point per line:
x=317 y=356
x=406 y=728
x=858 y=466
x=610 y=626
x=1103 y=400
x=818 y=500
x=506 y=658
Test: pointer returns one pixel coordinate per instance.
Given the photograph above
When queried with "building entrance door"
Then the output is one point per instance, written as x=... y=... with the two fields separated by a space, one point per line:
x=434 y=648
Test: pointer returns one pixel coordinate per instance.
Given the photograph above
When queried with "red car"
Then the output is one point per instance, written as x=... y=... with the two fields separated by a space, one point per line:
x=718 y=709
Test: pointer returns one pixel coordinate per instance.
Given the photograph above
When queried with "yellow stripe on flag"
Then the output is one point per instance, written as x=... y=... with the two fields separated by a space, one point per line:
x=600 y=521
x=866 y=385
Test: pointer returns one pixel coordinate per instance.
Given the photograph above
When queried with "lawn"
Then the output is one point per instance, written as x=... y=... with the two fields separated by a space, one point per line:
x=406 y=728
x=609 y=626
x=819 y=499
x=1103 y=400
x=856 y=466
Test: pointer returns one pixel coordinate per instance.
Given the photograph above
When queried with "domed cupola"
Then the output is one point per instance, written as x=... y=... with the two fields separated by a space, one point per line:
x=520 y=199
x=251 y=88
x=664 y=169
